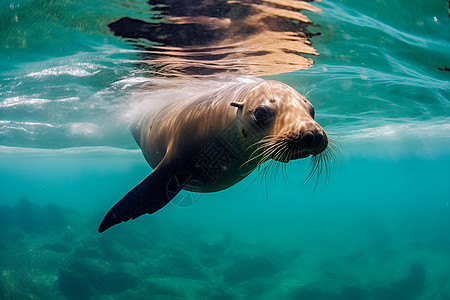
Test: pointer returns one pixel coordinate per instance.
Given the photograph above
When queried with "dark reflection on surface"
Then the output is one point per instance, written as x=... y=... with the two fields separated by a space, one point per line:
x=203 y=37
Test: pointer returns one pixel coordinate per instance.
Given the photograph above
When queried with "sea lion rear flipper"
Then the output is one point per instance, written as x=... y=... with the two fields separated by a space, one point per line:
x=149 y=196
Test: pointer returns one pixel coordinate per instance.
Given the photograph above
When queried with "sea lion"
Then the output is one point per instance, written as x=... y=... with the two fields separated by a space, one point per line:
x=213 y=141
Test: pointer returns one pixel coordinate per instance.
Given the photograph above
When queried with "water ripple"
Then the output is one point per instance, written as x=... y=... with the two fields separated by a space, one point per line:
x=76 y=70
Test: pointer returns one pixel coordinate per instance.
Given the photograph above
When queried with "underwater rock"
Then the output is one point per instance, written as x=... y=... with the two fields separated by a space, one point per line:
x=87 y=268
x=183 y=265
x=211 y=261
x=107 y=249
x=111 y=250
x=135 y=236
x=155 y=288
x=54 y=216
x=74 y=285
x=165 y=287
x=222 y=297
x=94 y=278
x=257 y=288
x=3 y=290
x=247 y=269
x=83 y=252
x=353 y=293
x=319 y=293
x=6 y=216
x=308 y=293
x=115 y=282
x=214 y=294
x=28 y=215
x=6 y=220
x=31 y=217
x=58 y=246
x=213 y=243
x=409 y=287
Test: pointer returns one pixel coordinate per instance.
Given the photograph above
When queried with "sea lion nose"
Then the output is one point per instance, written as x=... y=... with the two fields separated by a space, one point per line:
x=314 y=141
x=308 y=139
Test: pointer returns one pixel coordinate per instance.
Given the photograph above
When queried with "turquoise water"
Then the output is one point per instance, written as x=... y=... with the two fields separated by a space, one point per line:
x=378 y=229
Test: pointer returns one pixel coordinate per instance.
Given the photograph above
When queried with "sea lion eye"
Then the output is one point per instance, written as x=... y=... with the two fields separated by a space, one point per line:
x=312 y=112
x=262 y=115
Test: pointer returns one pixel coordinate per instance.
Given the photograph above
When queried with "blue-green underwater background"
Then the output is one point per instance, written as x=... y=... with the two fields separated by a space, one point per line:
x=378 y=229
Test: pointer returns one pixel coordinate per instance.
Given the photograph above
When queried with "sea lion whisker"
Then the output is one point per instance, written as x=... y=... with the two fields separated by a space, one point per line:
x=283 y=153
x=272 y=167
x=253 y=180
x=268 y=153
x=253 y=157
x=277 y=153
x=325 y=166
x=260 y=173
x=309 y=92
x=290 y=153
x=334 y=148
x=267 y=139
x=264 y=173
x=262 y=141
x=262 y=159
x=315 y=173
x=268 y=169
x=273 y=171
x=287 y=155
x=284 y=171
x=320 y=163
x=257 y=166
x=278 y=166
x=319 y=170
x=264 y=156
x=313 y=166
x=267 y=146
x=328 y=157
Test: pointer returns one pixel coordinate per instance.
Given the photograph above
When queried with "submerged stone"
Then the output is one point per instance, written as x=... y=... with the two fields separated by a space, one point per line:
x=115 y=282
x=243 y=270
x=408 y=287
x=182 y=265
x=308 y=293
x=54 y=217
x=28 y=215
x=74 y=285
x=353 y=293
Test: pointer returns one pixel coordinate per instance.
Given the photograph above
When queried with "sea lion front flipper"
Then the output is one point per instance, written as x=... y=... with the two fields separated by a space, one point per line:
x=149 y=196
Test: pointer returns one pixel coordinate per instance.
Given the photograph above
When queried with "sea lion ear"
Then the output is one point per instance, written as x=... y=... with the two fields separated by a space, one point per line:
x=237 y=104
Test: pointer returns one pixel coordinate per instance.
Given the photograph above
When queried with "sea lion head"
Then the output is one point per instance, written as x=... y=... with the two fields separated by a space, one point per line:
x=282 y=123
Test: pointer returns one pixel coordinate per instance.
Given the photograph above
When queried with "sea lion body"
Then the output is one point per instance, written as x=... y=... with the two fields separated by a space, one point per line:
x=202 y=136
x=214 y=140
